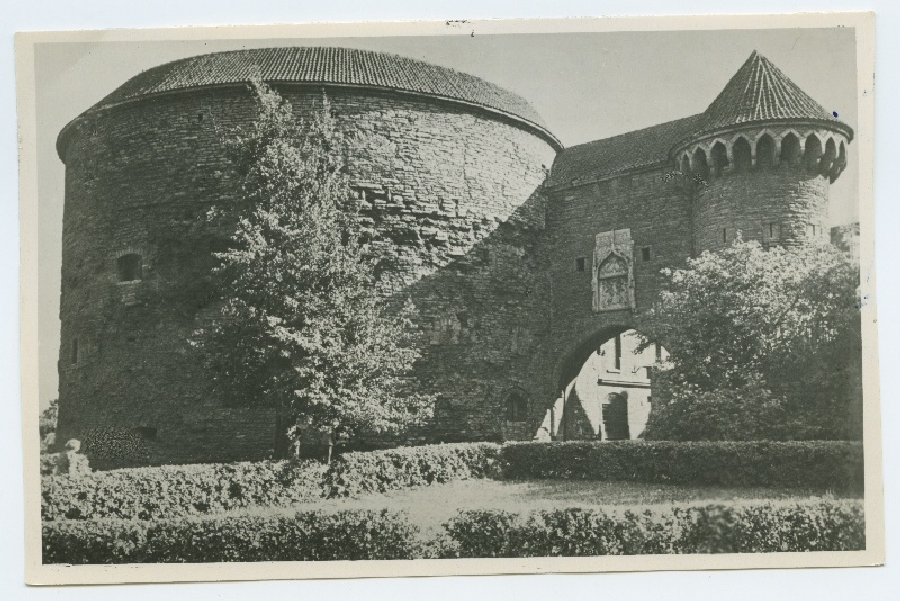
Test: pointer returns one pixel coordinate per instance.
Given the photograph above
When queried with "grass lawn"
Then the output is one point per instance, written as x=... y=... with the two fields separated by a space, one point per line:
x=431 y=506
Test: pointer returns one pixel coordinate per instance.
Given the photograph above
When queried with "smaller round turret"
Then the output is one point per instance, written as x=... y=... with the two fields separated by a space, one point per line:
x=763 y=156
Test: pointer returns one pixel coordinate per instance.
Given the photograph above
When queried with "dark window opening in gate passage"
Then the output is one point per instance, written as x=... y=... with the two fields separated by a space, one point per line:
x=615 y=416
x=618 y=353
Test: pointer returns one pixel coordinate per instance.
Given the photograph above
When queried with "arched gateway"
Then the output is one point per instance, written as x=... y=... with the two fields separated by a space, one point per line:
x=524 y=259
x=605 y=388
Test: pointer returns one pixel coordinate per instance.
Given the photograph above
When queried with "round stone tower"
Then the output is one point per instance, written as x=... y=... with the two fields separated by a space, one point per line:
x=762 y=157
x=440 y=159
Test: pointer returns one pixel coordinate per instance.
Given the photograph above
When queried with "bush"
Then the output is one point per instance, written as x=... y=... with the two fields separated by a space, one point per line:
x=49 y=463
x=109 y=445
x=179 y=490
x=304 y=536
x=747 y=413
x=816 y=526
x=836 y=466
x=355 y=474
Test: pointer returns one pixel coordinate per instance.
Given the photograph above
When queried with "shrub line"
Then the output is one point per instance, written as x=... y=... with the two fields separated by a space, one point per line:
x=173 y=491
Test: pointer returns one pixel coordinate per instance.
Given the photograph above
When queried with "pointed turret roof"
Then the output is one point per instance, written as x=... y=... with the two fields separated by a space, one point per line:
x=759 y=91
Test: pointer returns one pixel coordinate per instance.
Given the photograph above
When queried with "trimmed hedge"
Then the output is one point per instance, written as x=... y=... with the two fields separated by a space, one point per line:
x=355 y=474
x=172 y=491
x=382 y=534
x=304 y=536
x=179 y=490
x=201 y=489
x=836 y=466
x=765 y=528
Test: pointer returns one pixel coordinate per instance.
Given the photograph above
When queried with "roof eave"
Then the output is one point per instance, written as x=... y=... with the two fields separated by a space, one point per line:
x=99 y=109
x=736 y=128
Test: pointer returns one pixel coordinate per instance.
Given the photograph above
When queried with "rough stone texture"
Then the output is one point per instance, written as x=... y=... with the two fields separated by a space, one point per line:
x=777 y=205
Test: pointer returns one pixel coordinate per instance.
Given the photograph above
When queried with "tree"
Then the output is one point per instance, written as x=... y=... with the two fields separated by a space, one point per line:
x=301 y=325
x=47 y=424
x=766 y=339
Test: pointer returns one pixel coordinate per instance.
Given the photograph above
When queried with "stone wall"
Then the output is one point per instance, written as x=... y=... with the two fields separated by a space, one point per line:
x=775 y=205
x=436 y=179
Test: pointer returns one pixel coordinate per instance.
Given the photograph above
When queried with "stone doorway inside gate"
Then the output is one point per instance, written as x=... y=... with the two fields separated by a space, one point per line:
x=606 y=389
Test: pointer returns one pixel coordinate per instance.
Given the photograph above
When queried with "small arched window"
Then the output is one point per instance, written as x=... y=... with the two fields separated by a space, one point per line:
x=743 y=158
x=765 y=151
x=790 y=150
x=700 y=166
x=130 y=268
x=829 y=156
x=719 y=157
x=516 y=407
x=813 y=153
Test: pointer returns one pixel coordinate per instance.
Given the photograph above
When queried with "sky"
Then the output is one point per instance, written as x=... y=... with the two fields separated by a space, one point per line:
x=586 y=86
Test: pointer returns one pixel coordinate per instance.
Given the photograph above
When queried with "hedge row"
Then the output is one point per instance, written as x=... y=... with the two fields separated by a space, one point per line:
x=370 y=534
x=179 y=490
x=304 y=536
x=171 y=491
x=356 y=474
x=836 y=466
x=821 y=526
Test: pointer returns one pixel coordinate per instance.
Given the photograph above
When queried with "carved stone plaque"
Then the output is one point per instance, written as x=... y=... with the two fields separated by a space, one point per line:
x=612 y=280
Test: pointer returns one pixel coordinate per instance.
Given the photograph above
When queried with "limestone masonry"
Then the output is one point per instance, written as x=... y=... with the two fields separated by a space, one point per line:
x=523 y=258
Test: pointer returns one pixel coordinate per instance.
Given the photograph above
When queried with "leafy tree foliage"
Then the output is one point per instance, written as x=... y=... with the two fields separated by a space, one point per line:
x=763 y=344
x=47 y=425
x=301 y=325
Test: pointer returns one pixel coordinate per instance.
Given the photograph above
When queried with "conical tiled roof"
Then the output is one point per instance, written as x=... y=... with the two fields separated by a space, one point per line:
x=759 y=91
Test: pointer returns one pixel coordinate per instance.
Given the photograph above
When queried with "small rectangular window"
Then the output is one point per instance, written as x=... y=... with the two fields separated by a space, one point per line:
x=811 y=230
x=145 y=432
x=724 y=235
x=579 y=264
x=645 y=254
x=130 y=267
